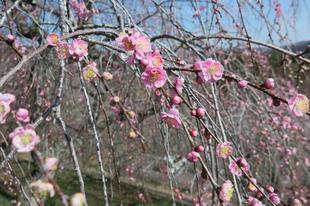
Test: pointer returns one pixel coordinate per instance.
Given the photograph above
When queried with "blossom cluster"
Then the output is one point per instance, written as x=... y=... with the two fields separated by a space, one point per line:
x=24 y=138
x=139 y=48
x=80 y=9
x=78 y=50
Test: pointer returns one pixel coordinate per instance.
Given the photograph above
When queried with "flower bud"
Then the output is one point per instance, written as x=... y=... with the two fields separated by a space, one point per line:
x=269 y=83
x=107 y=76
x=199 y=148
x=200 y=112
x=273 y=197
x=132 y=134
x=22 y=115
x=193 y=156
x=193 y=132
x=176 y=100
x=242 y=84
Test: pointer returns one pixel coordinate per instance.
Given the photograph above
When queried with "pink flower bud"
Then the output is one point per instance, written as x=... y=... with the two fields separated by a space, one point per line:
x=140 y=197
x=273 y=197
x=242 y=84
x=199 y=80
x=193 y=156
x=193 y=112
x=157 y=92
x=11 y=38
x=269 y=188
x=200 y=112
x=193 y=132
x=22 y=115
x=107 y=76
x=176 y=100
x=269 y=83
x=199 y=148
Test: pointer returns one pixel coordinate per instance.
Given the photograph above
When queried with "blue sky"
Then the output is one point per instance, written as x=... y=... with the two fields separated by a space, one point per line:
x=295 y=21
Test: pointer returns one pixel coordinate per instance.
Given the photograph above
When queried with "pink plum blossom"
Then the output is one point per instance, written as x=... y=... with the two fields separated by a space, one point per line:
x=133 y=40
x=252 y=201
x=22 y=115
x=24 y=138
x=178 y=83
x=226 y=191
x=78 y=49
x=90 y=71
x=11 y=38
x=299 y=104
x=5 y=101
x=80 y=9
x=193 y=132
x=52 y=39
x=209 y=70
x=126 y=40
x=251 y=186
x=153 y=59
x=62 y=49
x=242 y=84
x=50 y=164
x=43 y=189
x=78 y=199
x=143 y=45
x=200 y=112
x=273 y=197
x=269 y=83
x=154 y=78
x=176 y=100
x=140 y=197
x=199 y=148
x=193 y=156
x=224 y=150
x=235 y=167
x=172 y=118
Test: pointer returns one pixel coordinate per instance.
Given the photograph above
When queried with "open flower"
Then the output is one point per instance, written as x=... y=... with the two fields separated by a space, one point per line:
x=50 y=164
x=5 y=101
x=132 y=40
x=252 y=201
x=62 y=49
x=209 y=70
x=143 y=45
x=126 y=40
x=299 y=104
x=78 y=199
x=153 y=59
x=226 y=191
x=90 y=72
x=53 y=39
x=24 y=138
x=154 y=78
x=22 y=115
x=223 y=150
x=251 y=186
x=172 y=118
x=237 y=167
x=43 y=189
x=78 y=49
